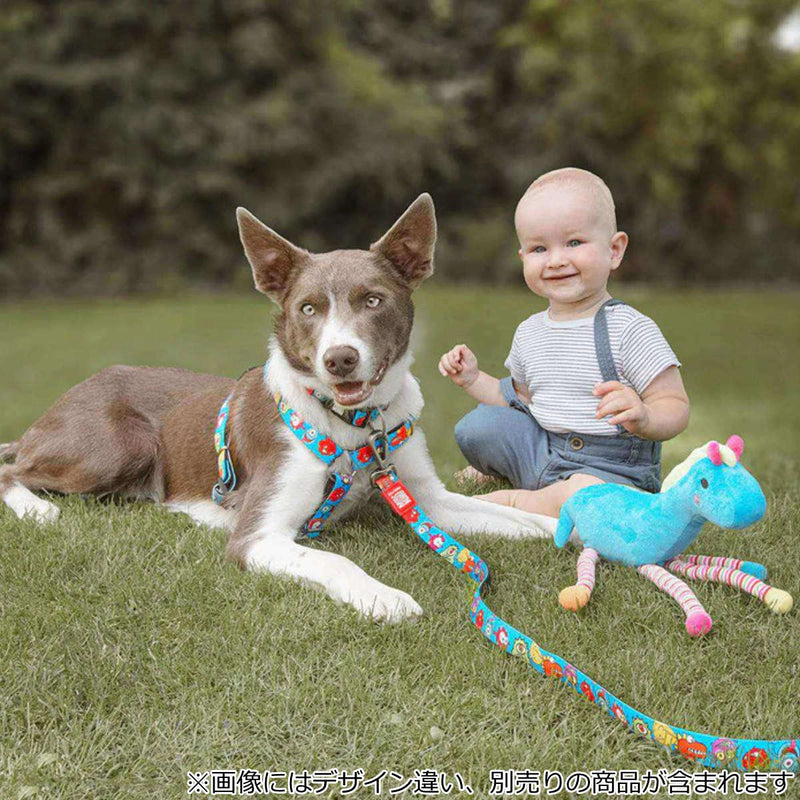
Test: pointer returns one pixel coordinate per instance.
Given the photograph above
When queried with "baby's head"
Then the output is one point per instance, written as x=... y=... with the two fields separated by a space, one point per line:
x=569 y=242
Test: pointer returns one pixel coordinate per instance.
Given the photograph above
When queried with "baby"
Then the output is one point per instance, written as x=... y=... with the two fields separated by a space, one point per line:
x=594 y=386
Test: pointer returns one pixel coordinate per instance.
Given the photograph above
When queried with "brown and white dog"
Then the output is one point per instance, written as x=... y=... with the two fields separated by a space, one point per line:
x=343 y=329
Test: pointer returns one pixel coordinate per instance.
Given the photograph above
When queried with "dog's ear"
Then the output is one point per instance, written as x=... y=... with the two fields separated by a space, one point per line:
x=409 y=243
x=272 y=258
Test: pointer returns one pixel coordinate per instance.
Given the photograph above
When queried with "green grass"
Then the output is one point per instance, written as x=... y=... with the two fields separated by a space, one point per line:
x=131 y=652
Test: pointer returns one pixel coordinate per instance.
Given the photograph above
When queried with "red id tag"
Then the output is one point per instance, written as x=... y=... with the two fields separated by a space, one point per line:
x=396 y=495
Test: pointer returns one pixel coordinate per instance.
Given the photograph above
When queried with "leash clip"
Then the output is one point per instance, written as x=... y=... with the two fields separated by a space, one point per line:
x=379 y=447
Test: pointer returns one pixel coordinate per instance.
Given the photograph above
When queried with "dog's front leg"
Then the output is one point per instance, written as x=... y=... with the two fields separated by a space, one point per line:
x=457 y=513
x=269 y=523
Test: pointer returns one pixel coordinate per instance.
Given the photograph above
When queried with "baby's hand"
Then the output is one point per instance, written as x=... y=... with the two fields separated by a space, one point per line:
x=460 y=365
x=623 y=404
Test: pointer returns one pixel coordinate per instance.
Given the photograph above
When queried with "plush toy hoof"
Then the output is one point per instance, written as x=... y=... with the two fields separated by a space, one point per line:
x=778 y=601
x=698 y=623
x=574 y=598
x=756 y=570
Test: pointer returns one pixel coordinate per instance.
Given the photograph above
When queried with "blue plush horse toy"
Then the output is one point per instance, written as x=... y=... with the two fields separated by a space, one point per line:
x=651 y=531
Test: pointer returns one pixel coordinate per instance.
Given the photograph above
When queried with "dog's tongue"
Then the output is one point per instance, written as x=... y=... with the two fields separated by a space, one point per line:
x=351 y=392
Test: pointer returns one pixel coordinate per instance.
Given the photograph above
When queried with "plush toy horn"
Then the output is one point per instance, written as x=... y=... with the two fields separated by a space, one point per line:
x=714 y=453
x=736 y=443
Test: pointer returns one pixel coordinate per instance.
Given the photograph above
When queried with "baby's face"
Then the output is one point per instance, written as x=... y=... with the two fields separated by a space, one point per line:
x=567 y=245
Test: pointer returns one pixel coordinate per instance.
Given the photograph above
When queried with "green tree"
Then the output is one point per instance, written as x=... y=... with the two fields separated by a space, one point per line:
x=129 y=132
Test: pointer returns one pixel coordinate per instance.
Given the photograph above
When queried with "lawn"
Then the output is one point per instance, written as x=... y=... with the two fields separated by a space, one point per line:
x=132 y=652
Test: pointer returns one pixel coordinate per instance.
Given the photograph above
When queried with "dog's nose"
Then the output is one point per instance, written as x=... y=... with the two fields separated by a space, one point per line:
x=341 y=360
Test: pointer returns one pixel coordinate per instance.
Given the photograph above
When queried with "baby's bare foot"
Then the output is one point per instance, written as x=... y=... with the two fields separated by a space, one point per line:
x=471 y=475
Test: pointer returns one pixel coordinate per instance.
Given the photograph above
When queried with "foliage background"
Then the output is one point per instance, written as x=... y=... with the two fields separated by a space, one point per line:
x=129 y=132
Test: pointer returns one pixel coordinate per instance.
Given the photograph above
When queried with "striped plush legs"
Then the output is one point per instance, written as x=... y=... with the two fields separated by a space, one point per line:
x=576 y=597
x=750 y=567
x=724 y=571
x=697 y=620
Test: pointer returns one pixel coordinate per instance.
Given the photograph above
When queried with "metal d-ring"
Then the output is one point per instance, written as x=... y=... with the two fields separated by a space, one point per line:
x=380 y=450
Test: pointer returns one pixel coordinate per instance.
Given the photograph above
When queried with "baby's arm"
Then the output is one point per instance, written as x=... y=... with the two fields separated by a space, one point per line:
x=659 y=414
x=461 y=365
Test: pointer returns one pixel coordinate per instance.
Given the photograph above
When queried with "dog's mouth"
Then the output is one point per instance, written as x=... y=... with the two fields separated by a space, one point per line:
x=351 y=393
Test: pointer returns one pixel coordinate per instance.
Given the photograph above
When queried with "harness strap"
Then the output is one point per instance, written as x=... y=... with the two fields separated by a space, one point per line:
x=336 y=490
x=325 y=449
x=227 y=475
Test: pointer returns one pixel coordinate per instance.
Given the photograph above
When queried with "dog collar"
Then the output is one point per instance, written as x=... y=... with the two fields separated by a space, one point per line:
x=326 y=450
x=357 y=417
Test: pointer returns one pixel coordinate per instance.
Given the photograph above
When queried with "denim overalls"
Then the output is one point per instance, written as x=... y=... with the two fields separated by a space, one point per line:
x=508 y=442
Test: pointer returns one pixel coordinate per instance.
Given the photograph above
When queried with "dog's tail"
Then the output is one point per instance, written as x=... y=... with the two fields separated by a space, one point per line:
x=8 y=451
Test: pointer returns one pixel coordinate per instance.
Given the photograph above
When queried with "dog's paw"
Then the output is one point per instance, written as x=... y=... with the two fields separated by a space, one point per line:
x=27 y=505
x=387 y=605
x=46 y=513
x=42 y=512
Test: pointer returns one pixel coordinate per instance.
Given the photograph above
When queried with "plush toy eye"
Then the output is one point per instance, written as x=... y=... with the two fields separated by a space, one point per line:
x=307 y=309
x=704 y=483
x=373 y=301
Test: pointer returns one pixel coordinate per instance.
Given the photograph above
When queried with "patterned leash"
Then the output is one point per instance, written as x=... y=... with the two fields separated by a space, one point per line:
x=707 y=749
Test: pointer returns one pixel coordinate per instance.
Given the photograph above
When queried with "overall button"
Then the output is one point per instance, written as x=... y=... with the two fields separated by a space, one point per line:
x=576 y=443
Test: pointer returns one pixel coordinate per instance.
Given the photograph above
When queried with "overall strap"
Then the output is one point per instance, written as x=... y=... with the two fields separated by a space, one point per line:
x=602 y=344
x=605 y=359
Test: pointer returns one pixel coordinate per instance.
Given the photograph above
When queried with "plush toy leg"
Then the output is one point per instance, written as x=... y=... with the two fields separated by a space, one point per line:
x=750 y=567
x=573 y=598
x=697 y=620
x=776 y=599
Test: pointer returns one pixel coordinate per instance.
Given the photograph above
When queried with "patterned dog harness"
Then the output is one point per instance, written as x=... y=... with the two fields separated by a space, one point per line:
x=706 y=749
x=321 y=446
x=380 y=444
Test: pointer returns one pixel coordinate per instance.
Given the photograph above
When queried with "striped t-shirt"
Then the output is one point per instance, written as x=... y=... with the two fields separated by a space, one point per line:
x=557 y=361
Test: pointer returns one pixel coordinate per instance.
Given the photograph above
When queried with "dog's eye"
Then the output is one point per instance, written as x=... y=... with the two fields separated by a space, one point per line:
x=307 y=309
x=373 y=301
x=704 y=483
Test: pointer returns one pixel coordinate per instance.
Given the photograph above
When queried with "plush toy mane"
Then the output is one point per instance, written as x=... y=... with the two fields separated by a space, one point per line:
x=727 y=455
